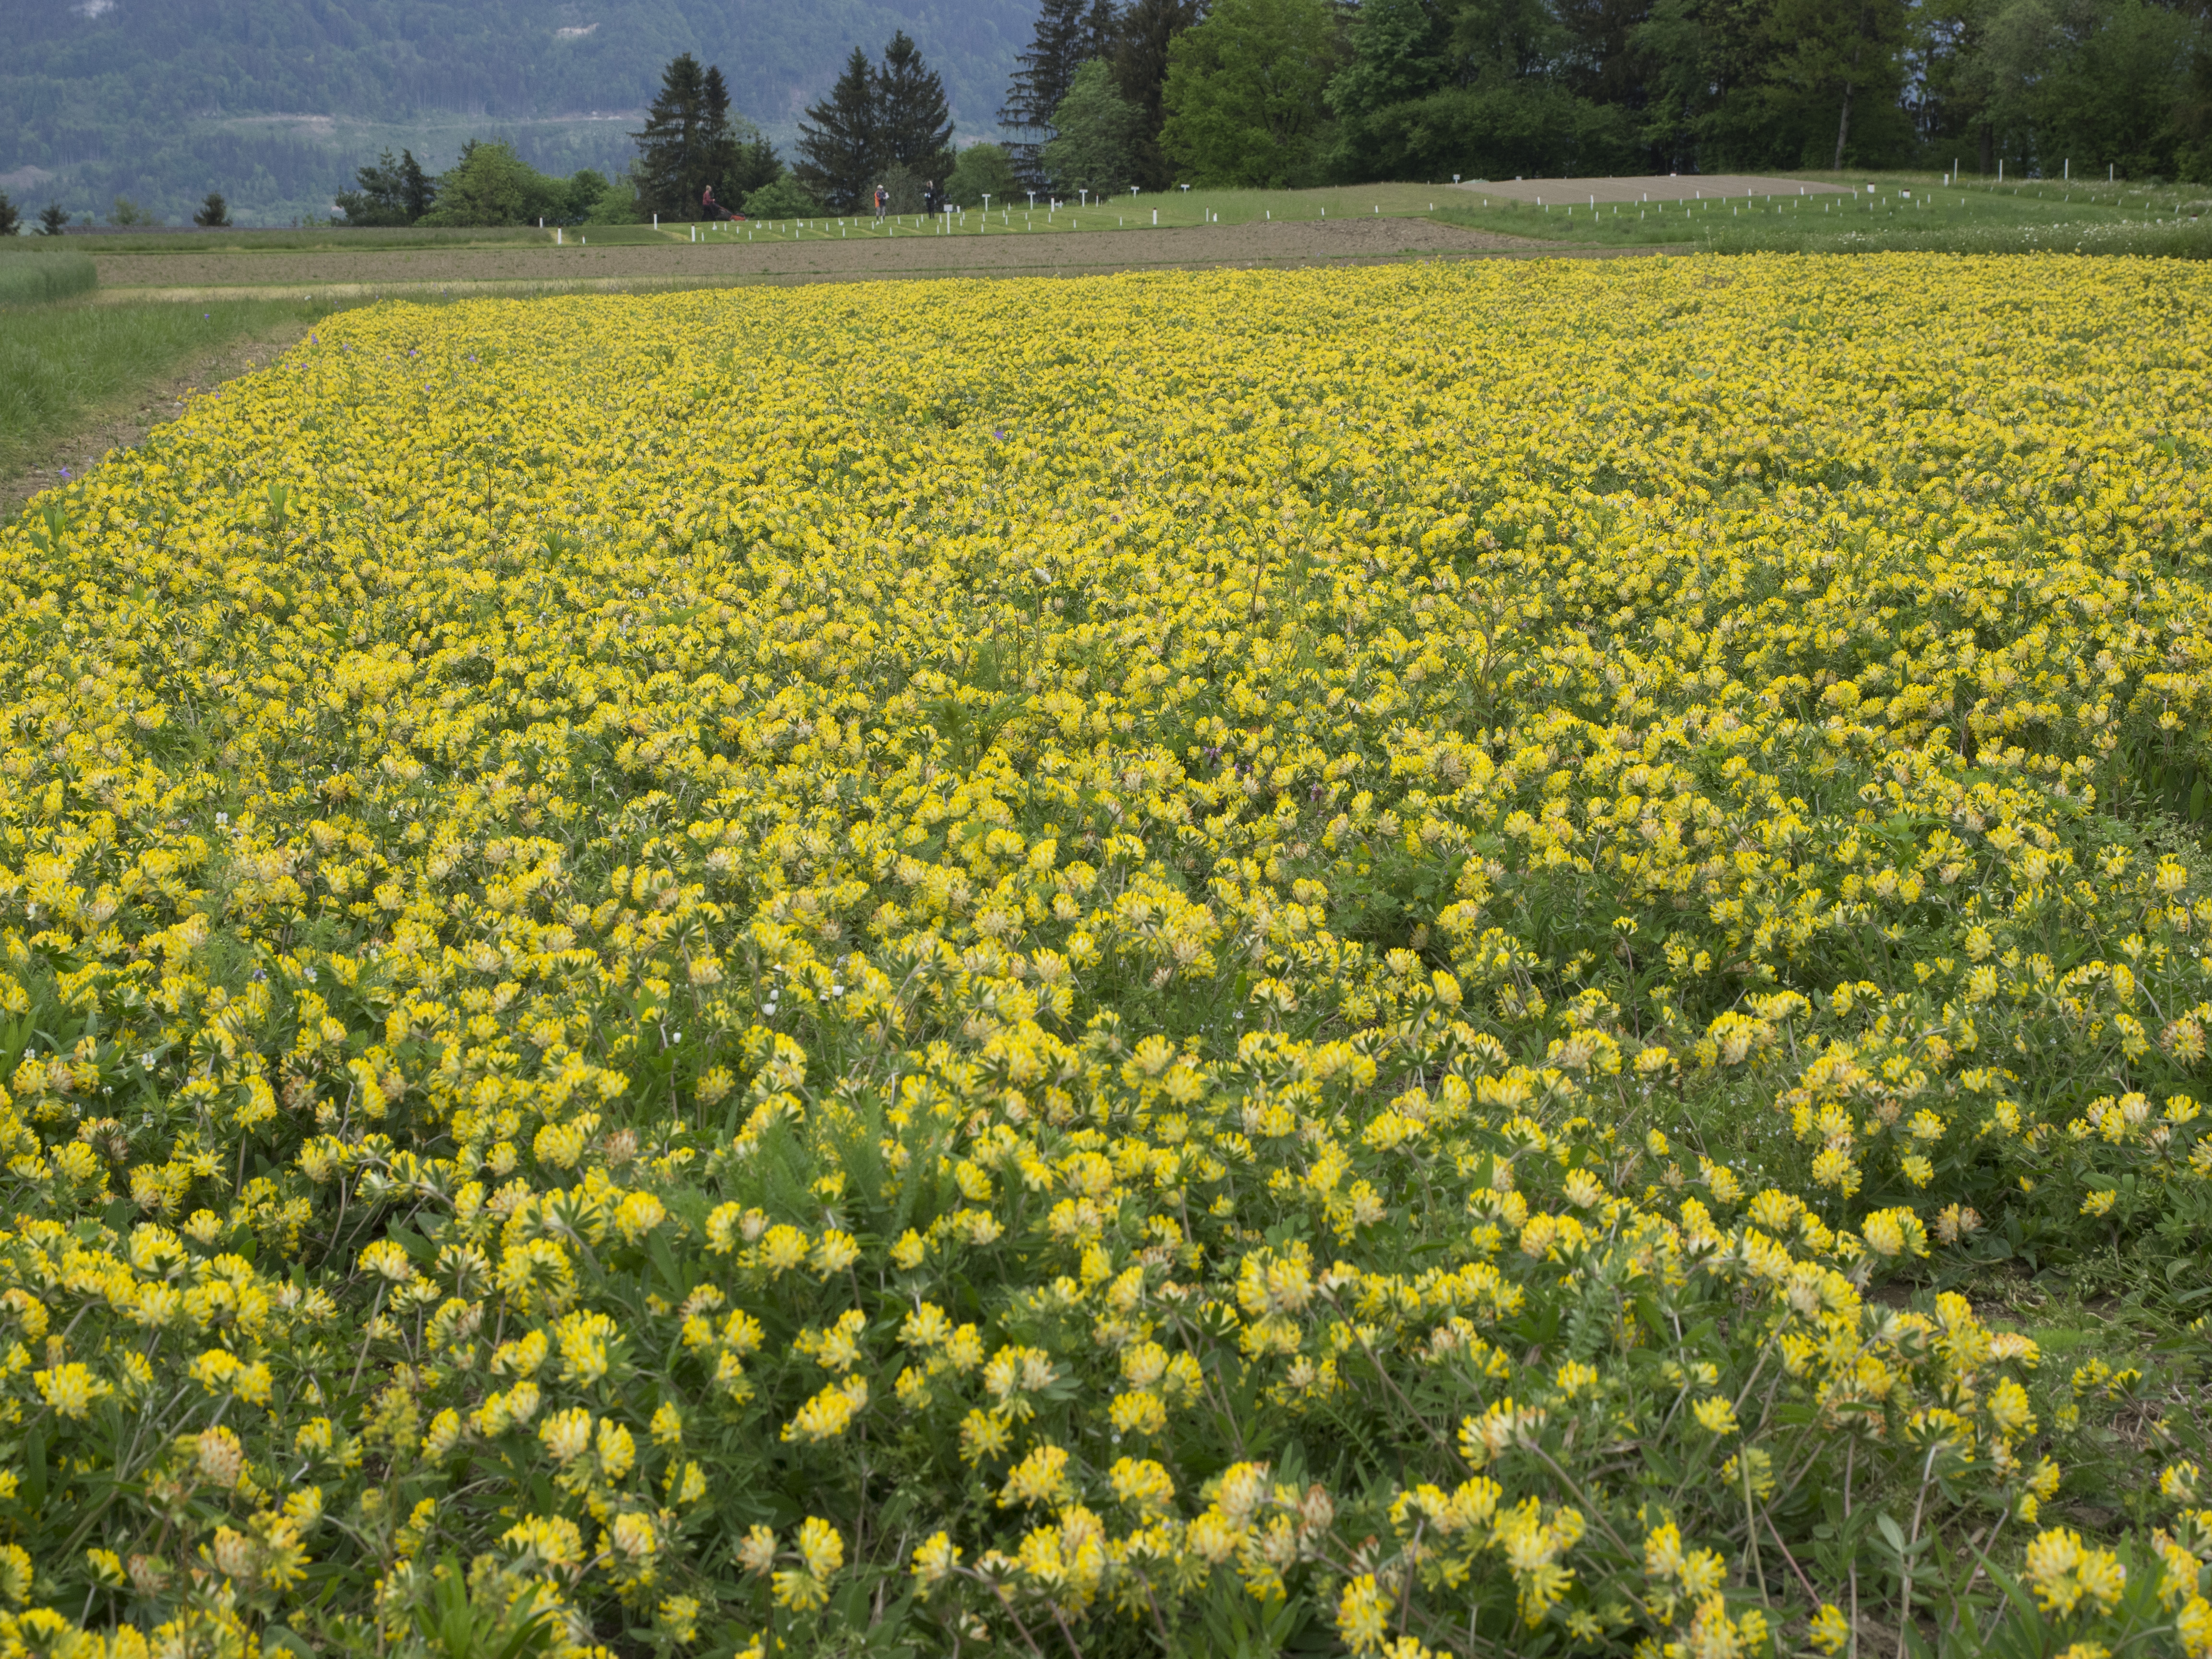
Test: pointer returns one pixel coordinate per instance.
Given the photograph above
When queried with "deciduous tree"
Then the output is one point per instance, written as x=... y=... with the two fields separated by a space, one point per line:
x=1095 y=131
x=1245 y=94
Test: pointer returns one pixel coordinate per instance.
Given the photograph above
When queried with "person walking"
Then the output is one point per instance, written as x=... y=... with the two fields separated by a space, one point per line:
x=883 y=197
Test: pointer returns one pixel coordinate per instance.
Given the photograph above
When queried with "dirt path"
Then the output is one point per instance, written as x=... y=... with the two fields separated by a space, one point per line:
x=126 y=277
x=1684 y=187
x=125 y=422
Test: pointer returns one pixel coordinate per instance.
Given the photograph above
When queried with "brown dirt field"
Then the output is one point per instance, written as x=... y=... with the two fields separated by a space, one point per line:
x=129 y=277
x=1671 y=188
x=124 y=424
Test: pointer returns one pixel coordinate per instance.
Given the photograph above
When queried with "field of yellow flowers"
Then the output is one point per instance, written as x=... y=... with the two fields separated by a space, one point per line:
x=1386 y=961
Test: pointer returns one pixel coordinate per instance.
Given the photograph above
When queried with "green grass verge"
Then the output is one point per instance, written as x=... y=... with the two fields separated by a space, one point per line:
x=314 y=239
x=63 y=366
x=32 y=279
x=1901 y=212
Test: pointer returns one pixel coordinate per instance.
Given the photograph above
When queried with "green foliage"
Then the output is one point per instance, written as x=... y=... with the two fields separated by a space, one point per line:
x=1068 y=34
x=389 y=193
x=53 y=219
x=214 y=213
x=981 y=169
x=1245 y=95
x=124 y=211
x=2096 y=83
x=491 y=184
x=11 y=221
x=30 y=279
x=913 y=126
x=782 y=197
x=877 y=126
x=692 y=143
x=1144 y=33
x=837 y=139
x=1096 y=146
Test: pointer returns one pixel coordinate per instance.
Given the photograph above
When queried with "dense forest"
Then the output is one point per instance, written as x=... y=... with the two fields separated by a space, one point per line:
x=1286 y=92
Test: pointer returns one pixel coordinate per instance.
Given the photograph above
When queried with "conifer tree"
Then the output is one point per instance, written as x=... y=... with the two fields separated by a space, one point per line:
x=418 y=191
x=913 y=126
x=690 y=140
x=1069 y=34
x=838 y=139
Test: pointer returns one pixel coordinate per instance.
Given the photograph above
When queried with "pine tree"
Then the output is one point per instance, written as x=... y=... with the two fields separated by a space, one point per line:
x=756 y=167
x=379 y=196
x=718 y=139
x=1148 y=29
x=1069 y=34
x=676 y=130
x=837 y=139
x=11 y=221
x=54 y=219
x=914 y=127
x=214 y=214
x=418 y=192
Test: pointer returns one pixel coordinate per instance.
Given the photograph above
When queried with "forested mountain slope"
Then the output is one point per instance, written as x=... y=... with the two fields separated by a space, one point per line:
x=274 y=102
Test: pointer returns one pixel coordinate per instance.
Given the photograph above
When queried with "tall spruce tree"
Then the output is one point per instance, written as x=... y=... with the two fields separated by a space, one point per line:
x=667 y=150
x=837 y=139
x=913 y=126
x=1069 y=34
x=418 y=191
x=690 y=141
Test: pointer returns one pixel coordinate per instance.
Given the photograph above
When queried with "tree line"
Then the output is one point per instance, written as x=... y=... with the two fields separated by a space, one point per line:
x=884 y=124
x=1274 y=93
x=1115 y=94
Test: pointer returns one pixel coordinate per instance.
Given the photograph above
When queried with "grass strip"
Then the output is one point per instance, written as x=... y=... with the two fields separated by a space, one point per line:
x=63 y=366
x=32 y=279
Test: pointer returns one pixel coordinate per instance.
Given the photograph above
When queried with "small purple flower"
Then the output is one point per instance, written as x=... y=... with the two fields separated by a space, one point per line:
x=998 y=434
x=65 y=472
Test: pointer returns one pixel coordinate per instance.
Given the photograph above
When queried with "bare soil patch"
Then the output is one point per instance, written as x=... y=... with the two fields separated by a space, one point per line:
x=125 y=423
x=1670 y=187
x=831 y=258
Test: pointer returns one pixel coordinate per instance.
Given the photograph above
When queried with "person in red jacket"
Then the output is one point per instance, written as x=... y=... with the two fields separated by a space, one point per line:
x=708 y=206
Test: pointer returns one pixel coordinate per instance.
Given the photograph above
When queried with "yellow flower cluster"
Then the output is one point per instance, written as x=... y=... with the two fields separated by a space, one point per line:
x=1348 y=950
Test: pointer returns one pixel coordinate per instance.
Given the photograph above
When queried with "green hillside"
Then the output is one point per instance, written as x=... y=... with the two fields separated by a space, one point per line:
x=274 y=102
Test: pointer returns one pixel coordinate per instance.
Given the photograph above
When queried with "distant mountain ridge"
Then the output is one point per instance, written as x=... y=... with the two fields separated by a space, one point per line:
x=275 y=101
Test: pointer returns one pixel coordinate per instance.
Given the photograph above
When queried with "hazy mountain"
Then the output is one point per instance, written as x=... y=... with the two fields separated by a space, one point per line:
x=273 y=102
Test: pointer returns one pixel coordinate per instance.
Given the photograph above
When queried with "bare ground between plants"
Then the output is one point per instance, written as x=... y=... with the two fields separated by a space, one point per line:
x=831 y=258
